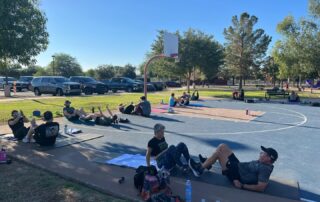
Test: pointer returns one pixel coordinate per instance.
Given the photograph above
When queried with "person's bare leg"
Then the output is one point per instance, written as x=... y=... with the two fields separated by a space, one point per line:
x=109 y=111
x=222 y=153
x=30 y=133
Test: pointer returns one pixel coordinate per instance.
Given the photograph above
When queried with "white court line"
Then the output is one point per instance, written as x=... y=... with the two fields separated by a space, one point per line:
x=296 y=124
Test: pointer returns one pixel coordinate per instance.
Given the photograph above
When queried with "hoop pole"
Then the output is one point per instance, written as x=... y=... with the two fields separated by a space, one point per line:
x=145 y=71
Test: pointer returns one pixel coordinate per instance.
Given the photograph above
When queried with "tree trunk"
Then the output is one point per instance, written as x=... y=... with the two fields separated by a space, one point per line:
x=188 y=82
x=240 y=82
x=244 y=82
x=233 y=80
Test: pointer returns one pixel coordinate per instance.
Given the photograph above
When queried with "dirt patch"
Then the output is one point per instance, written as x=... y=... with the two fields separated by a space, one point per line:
x=20 y=182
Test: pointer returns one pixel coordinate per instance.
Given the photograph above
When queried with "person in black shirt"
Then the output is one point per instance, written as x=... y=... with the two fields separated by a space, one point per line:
x=73 y=114
x=44 y=134
x=167 y=157
x=16 y=123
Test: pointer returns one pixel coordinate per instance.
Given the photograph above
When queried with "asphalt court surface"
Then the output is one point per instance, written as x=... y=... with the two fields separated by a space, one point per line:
x=293 y=130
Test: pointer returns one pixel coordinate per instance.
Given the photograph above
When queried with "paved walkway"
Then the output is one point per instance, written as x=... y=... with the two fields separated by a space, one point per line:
x=76 y=163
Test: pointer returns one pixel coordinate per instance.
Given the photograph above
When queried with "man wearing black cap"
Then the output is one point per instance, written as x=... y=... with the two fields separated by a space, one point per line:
x=253 y=175
x=44 y=134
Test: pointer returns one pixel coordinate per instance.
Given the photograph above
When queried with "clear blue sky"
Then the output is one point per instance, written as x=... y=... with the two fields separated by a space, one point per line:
x=118 y=32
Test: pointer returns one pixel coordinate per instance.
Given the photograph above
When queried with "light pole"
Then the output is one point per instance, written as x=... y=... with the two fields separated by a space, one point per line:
x=53 y=73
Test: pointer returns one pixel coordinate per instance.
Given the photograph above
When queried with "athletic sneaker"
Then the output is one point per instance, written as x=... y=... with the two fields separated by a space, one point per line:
x=195 y=167
x=203 y=159
x=25 y=140
x=32 y=140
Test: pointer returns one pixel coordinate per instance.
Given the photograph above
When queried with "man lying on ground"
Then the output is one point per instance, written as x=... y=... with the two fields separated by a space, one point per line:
x=44 y=134
x=195 y=95
x=16 y=123
x=73 y=114
x=104 y=120
x=167 y=157
x=143 y=108
x=253 y=175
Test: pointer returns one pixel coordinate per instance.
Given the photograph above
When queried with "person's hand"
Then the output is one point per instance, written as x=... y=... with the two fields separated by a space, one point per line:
x=237 y=184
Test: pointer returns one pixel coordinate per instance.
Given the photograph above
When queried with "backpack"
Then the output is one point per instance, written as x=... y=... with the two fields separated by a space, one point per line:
x=141 y=172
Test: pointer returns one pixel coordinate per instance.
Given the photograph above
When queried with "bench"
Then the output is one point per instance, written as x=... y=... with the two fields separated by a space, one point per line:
x=270 y=93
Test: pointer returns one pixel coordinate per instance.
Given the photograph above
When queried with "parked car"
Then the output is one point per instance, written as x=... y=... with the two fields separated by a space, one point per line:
x=24 y=82
x=123 y=83
x=55 y=85
x=150 y=86
x=89 y=85
x=159 y=85
x=173 y=84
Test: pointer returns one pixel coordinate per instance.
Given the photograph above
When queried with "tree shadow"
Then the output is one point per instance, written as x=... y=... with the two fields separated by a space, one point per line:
x=162 y=118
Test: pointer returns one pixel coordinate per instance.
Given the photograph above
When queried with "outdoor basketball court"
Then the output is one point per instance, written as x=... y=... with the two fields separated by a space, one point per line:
x=291 y=129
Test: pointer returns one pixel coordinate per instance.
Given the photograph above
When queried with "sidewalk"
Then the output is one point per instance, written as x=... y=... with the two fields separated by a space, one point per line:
x=76 y=163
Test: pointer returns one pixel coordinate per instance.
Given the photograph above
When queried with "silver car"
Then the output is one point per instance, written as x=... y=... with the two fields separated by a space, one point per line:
x=55 y=85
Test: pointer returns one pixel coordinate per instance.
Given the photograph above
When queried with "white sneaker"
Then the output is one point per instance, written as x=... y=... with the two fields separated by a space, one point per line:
x=32 y=140
x=25 y=140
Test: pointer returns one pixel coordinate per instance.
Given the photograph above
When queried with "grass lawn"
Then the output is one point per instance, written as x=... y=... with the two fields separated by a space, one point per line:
x=56 y=104
x=21 y=182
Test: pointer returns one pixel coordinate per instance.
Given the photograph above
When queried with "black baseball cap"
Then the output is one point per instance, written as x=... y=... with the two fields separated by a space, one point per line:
x=67 y=101
x=271 y=152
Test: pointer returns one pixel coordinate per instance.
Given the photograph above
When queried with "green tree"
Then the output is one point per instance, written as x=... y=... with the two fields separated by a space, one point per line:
x=64 y=65
x=30 y=70
x=91 y=73
x=105 y=72
x=245 y=47
x=23 y=33
x=197 y=51
x=127 y=71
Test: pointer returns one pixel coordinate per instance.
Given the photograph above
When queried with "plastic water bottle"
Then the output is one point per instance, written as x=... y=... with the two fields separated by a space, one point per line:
x=188 y=191
x=65 y=129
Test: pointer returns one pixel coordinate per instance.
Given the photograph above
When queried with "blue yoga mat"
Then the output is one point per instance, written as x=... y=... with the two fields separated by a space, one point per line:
x=195 y=105
x=130 y=160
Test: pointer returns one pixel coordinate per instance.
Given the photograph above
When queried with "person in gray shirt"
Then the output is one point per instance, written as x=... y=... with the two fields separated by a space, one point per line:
x=253 y=175
x=143 y=108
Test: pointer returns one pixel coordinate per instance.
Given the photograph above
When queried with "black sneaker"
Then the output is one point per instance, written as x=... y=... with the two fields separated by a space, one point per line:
x=195 y=167
x=203 y=159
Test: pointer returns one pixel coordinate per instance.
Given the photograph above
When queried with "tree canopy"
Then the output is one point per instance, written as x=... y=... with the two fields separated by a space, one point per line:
x=245 y=47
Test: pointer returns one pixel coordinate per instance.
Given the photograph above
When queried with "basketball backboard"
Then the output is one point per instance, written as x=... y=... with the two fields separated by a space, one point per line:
x=170 y=42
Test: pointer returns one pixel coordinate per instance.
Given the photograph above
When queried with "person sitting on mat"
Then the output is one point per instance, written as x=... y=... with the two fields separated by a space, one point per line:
x=174 y=101
x=195 y=95
x=73 y=114
x=102 y=119
x=185 y=99
x=44 y=134
x=253 y=175
x=16 y=123
x=166 y=156
x=143 y=108
x=293 y=97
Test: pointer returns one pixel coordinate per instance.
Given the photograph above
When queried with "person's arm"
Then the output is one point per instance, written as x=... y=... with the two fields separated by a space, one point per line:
x=260 y=187
x=148 y=156
x=66 y=114
x=14 y=121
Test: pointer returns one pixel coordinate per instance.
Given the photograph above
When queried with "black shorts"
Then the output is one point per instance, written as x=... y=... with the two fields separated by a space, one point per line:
x=232 y=171
x=21 y=133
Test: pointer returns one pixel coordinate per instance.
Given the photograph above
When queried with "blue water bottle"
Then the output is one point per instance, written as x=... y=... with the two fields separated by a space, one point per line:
x=188 y=191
